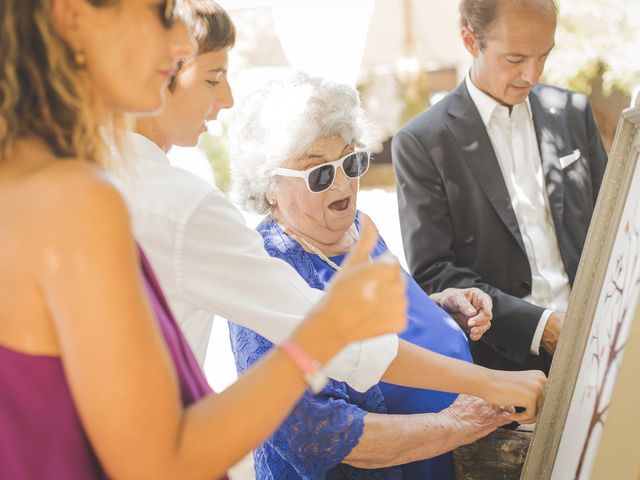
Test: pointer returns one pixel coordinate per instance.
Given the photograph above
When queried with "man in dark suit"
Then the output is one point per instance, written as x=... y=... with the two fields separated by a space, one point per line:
x=498 y=181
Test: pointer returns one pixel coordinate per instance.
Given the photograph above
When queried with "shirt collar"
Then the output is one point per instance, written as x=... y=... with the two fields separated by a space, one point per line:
x=146 y=149
x=487 y=106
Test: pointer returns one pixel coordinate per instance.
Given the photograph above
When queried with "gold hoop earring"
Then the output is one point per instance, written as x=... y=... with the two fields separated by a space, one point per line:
x=80 y=59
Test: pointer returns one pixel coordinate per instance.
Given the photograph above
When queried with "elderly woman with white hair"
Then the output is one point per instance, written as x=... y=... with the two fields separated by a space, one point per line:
x=297 y=154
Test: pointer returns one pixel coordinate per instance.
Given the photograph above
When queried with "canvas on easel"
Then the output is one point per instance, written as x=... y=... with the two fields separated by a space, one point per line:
x=604 y=306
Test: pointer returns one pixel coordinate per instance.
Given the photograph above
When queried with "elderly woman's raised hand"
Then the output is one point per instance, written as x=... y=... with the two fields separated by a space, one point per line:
x=474 y=418
x=471 y=308
x=365 y=299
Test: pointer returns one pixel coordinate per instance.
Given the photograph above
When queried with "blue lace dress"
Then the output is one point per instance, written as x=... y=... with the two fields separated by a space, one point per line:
x=322 y=429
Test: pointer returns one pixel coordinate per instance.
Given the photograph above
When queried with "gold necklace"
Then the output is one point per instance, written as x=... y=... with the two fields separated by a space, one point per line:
x=319 y=253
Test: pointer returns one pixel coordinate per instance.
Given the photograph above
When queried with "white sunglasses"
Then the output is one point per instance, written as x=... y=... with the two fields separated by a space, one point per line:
x=321 y=177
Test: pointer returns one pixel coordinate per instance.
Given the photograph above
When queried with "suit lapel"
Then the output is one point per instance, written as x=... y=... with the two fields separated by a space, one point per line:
x=548 y=125
x=475 y=146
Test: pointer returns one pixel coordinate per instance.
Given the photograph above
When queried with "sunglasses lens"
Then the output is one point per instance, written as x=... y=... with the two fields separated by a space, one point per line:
x=356 y=164
x=321 y=178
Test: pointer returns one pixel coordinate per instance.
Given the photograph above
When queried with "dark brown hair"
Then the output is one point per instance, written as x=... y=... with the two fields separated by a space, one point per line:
x=478 y=15
x=210 y=25
x=42 y=90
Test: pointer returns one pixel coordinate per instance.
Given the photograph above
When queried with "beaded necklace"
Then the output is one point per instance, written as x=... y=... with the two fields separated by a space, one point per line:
x=318 y=252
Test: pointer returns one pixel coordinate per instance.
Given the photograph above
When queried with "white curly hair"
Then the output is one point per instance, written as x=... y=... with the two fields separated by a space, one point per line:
x=281 y=120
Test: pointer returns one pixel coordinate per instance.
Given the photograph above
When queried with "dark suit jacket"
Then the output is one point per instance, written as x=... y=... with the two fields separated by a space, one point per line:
x=458 y=226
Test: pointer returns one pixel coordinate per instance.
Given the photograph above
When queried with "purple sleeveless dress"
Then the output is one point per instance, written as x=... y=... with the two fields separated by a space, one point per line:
x=41 y=435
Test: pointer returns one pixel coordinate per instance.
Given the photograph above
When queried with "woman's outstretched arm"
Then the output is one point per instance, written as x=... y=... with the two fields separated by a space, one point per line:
x=421 y=368
x=118 y=366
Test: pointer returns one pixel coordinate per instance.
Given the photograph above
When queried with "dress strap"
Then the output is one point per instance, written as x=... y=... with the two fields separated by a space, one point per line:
x=190 y=364
x=153 y=283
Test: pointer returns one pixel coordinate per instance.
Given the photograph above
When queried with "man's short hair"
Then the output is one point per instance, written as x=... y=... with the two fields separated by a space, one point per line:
x=478 y=15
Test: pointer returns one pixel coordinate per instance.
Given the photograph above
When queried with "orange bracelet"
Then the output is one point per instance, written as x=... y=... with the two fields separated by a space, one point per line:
x=311 y=368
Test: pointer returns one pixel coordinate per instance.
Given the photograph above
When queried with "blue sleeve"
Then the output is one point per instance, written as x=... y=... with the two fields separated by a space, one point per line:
x=320 y=431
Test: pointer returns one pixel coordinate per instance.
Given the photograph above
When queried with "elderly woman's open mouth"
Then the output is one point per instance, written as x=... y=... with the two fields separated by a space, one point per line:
x=340 y=205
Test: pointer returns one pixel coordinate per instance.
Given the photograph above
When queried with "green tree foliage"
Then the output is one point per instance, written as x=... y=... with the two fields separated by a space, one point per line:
x=596 y=37
x=216 y=148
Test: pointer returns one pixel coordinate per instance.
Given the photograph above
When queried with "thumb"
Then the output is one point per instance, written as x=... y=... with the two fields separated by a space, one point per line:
x=487 y=306
x=464 y=306
x=361 y=253
x=455 y=301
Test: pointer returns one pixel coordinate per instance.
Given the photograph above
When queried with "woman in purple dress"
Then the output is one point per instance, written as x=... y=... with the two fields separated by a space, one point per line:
x=96 y=380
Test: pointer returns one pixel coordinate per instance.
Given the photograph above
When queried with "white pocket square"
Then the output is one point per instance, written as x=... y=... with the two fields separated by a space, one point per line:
x=569 y=159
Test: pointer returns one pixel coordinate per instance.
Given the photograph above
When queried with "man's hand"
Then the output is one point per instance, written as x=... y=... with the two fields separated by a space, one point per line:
x=551 y=332
x=471 y=308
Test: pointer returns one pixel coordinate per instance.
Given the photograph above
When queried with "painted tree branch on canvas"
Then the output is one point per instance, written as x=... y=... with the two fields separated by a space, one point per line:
x=607 y=352
x=604 y=351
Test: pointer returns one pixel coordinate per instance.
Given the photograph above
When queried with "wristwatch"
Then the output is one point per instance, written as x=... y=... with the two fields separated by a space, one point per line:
x=310 y=367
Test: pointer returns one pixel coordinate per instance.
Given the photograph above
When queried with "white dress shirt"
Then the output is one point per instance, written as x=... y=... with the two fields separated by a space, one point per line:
x=210 y=263
x=515 y=144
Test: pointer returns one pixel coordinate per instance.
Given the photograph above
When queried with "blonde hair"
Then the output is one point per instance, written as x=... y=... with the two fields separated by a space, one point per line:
x=42 y=90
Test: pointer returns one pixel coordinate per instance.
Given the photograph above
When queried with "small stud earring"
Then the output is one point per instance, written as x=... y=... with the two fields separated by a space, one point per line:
x=80 y=59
